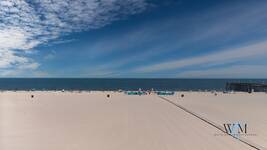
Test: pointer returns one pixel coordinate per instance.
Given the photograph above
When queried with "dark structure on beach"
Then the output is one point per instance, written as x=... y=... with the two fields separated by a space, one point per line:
x=246 y=87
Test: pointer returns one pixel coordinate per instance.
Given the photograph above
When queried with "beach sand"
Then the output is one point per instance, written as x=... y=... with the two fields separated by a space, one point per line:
x=90 y=120
x=230 y=108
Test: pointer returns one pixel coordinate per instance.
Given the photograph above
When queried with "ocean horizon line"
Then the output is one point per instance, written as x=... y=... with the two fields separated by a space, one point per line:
x=102 y=84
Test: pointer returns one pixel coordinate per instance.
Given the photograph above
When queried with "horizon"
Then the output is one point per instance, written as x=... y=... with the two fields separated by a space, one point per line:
x=118 y=84
x=132 y=78
x=133 y=39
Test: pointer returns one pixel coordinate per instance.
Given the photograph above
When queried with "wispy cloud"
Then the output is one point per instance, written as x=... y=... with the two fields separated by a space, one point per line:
x=220 y=57
x=26 y=24
x=208 y=35
x=50 y=56
x=9 y=59
x=236 y=71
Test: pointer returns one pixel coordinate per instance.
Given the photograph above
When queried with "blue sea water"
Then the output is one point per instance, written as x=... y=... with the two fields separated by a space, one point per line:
x=116 y=84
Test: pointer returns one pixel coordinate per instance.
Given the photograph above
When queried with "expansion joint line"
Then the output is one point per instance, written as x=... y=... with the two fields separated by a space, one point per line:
x=253 y=145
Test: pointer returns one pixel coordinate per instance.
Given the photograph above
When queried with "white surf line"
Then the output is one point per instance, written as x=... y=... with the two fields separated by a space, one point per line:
x=249 y=143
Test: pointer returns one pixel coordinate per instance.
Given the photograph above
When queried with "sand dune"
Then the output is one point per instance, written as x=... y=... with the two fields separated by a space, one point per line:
x=67 y=121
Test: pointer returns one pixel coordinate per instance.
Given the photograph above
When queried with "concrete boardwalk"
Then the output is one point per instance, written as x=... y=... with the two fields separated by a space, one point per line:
x=67 y=121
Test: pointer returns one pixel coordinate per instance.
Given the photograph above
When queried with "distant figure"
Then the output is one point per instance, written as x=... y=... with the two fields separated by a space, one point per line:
x=182 y=95
x=215 y=94
x=32 y=96
x=139 y=91
x=108 y=96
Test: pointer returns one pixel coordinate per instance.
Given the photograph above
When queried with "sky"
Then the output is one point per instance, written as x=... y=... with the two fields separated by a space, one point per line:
x=133 y=38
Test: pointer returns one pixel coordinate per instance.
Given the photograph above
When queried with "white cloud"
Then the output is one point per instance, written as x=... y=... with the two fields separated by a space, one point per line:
x=25 y=24
x=220 y=57
x=9 y=59
x=12 y=38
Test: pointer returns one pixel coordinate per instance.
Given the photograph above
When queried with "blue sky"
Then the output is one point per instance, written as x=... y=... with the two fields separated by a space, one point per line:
x=133 y=38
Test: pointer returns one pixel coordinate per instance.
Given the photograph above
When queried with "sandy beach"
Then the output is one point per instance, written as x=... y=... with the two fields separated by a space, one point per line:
x=230 y=108
x=91 y=120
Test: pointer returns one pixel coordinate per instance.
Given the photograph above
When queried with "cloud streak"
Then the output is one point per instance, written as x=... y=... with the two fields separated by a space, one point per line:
x=236 y=71
x=221 y=57
x=207 y=32
x=25 y=24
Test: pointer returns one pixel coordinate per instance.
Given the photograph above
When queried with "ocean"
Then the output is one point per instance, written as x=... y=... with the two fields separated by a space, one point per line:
x=117 y=84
